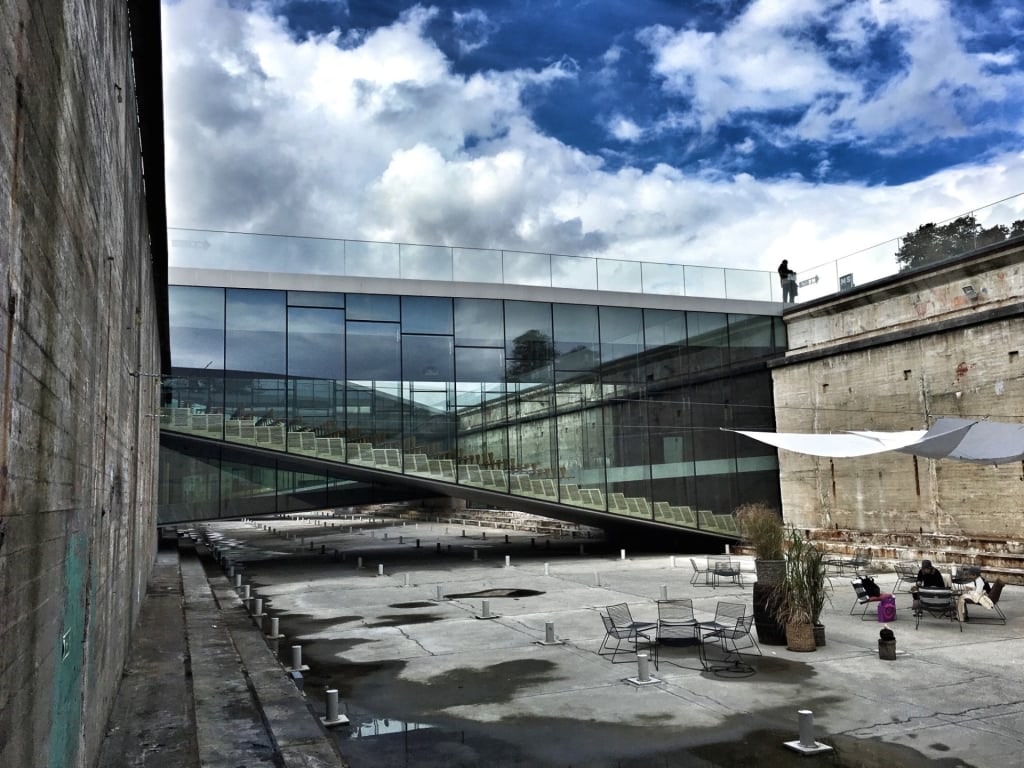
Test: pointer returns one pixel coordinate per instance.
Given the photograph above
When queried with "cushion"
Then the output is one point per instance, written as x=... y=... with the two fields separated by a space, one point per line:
x=997 y=589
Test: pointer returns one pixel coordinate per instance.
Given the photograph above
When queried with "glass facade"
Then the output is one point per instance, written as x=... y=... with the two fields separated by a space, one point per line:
x=617 y=409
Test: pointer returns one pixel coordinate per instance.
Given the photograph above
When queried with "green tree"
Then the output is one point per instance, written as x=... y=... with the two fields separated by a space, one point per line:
x=934 y=242
x=530 y=351
x=1017 y=228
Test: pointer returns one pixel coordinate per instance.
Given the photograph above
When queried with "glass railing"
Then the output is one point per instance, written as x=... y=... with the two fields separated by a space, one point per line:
x=980 y=228
x=210 y=249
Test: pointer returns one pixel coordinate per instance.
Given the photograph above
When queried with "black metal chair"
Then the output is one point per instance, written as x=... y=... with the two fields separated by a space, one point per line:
x=938 y=603
x=698 y=572
x=906 y=573
x=620 y=626
x=733 y=640
x=725 y=568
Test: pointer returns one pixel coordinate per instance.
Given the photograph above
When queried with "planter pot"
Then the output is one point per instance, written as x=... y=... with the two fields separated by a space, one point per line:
x=800 y=637
x=770 y=631
x=819 y=635
x=770 y=572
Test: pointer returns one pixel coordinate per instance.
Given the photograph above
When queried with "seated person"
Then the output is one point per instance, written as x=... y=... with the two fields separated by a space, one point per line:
x=928 y=577
x=976 y=592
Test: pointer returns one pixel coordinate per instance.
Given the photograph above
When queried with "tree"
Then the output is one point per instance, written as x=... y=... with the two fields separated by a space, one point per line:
x=934 y=242
x=530 y=351
x=1017 y=228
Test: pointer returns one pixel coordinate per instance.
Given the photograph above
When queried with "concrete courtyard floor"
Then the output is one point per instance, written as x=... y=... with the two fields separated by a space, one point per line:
x=428 y=682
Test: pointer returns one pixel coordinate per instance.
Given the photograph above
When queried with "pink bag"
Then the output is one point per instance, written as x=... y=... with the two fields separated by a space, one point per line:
x=887 y=609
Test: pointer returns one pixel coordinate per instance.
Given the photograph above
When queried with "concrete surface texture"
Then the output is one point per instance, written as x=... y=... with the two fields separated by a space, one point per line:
x=78 y=440
x=428 y=682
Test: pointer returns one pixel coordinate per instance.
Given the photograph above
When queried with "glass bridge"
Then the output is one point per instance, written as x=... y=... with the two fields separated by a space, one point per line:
x=595 y=405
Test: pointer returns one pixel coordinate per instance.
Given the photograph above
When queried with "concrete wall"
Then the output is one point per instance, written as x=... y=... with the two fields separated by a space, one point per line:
x=896 y=356
x=78 y=442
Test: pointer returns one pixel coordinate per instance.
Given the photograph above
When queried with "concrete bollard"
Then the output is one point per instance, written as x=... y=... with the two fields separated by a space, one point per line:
x=333 y=717
x=547 y=569
x=380 y=569
x=806 y=728
x=417 y=543
x=257 y=608
x=727 y=550
x=275 y=629
x=231 y=572
x=483 y=535
x=238 y=581
x=440 y=592
x=485 y=610
x=508 y=561
x=407 y=580
x=643 y=667
x=245 y=592
x=581 y=550
x=385 y=535
x=664 y=591
x=597 y=579
x=671 y=561
x=297 y=665
x=463 y=533
x=549 y=632
x=401 y=539
x=359 y=562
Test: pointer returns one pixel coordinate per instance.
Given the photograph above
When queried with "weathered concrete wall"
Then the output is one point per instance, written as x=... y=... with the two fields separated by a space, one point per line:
x=78 y=442
x=897 y=358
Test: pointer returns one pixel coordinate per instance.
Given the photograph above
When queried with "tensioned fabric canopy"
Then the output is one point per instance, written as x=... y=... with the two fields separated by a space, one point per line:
x=981 y=442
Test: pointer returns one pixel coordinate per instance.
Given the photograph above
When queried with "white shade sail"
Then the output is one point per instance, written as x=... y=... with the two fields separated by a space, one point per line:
x=981 y=442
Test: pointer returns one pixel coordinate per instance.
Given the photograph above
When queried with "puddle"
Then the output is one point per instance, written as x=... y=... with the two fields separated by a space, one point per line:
x=421 y=604
x=498 y=593
x=403 y=619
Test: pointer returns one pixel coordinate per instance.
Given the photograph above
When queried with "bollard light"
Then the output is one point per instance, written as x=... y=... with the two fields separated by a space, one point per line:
x=333 y=717
x=664 y=591
x=485 y=610
x=807 y=744
x=643 y=667
x=257 y=608
x=622 y=554
x=380 y=569
x=508 y=560
x=407 y=579
x=549 y=632
x=547 y=569
x=440 y=592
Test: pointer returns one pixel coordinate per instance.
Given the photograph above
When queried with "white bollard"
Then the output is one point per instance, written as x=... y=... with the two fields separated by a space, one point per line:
x=238 y=581
x=332 y=705
x=508 y=560
x=547 y=569
x=671 y=561
x=664 y=592
x=807 y=728
x=727 y=549
x=359 y=562
x=485 y=610
x=380 y=569
x=549 y=632
x=476 y=555
x=275 y=628
x=296 y=657
x=440 y=592
x=245 y=592
x=643 y=667
x=257 y=607
x=407 y=580
x=622 y=554
x=597 y=579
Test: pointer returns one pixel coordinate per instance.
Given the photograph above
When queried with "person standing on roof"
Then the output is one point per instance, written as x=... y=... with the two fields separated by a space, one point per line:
x=787 y=277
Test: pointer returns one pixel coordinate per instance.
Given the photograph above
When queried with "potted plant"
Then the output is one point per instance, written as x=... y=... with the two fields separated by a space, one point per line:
x=802 y=594
x=761 y=529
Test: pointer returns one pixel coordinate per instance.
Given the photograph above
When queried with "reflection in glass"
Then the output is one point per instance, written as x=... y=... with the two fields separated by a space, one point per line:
x=316 y=343
x=426 y=314
x=750 y=337
x=427 y=358
x=528 y=342
x=373 y=351
x=196 y=317
x=576 y=345
x=370 y=306
x=578 y=272
x=255 y=325
x=622 y=343
x=667 y=279
x=705 y=281
x=479 y=323
x=526 y=268
x=749 y=284
x=316 y=299
x=708 y=340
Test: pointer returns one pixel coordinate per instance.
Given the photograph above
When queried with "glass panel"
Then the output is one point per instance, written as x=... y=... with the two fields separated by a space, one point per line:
x=714 y=449
x=483 y=436
x=526 y=268
x=705 y=281
x=430 y=427
x=581 y=457
x=671 y=451
x=426 y=314
x=576 y=346
x=749 y=284
x=426 y=262
x=616 y=275
x=665 y=332
x=708 y=340
x=781 y=340
x=475 y=364
x=479 y=323
x=374 y=419
x=255 y=336
x=669 y=279
x=369 y=306
x=533 y=458
x=628 y=459
x=622 y=342
x=316 y=343
x=750 y=337
x=316 y=417
x=316 y=299
x=196 y=317
x=427 y=358
x=574 y=272
x=364 y=259
x=229 y=250
x=528 y=341
x=373 y=351
x=477 y=265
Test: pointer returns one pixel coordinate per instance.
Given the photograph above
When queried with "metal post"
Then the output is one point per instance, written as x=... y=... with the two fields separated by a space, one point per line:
x=622 y=554
x=807 y=728
x=547 y=569
x=597 y=579
x=549 y=632
x=485 y=611
x=257 y=607
x=380 y=569
x=245 y=591
x=508 y=560
x=664 y=591
x=440 y=592
x=332 y=704
x=643 y=667
x=275 y=627
x=238 y=581
x=296 y=657
x=407 y=579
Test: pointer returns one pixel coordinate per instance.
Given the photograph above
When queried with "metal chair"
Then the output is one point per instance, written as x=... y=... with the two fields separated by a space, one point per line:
x=619 y=625
x=906 y=573
x=733 y=640
x=864 y=600
x=938 y=603
x=677 y=626
x=725 y=568
x=698 y=572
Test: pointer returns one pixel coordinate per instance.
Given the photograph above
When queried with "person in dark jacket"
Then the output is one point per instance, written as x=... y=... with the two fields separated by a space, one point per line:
x=928 y=577
x=787 y=277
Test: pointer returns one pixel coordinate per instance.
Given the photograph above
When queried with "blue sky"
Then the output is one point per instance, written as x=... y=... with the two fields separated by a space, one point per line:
x=707 y=132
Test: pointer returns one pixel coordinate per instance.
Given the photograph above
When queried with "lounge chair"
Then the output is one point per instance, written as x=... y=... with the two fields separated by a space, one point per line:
x=994 y=616
x=864 y=600
x=906 y=573
x=733 y=640
x=938 y=603
x=620 y=626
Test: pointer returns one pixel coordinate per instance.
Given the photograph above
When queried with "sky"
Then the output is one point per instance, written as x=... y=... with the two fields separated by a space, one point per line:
x=709 y=132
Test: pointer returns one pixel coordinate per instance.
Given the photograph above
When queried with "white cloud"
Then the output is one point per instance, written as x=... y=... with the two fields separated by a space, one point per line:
x=473 y=29
x=624 y=129
x=377 y=138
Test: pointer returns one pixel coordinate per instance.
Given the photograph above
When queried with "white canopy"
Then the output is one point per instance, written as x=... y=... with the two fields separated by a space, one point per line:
x=981 y=442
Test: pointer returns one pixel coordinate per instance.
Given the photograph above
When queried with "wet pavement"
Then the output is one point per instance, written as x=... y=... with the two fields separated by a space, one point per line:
x=429 y=682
